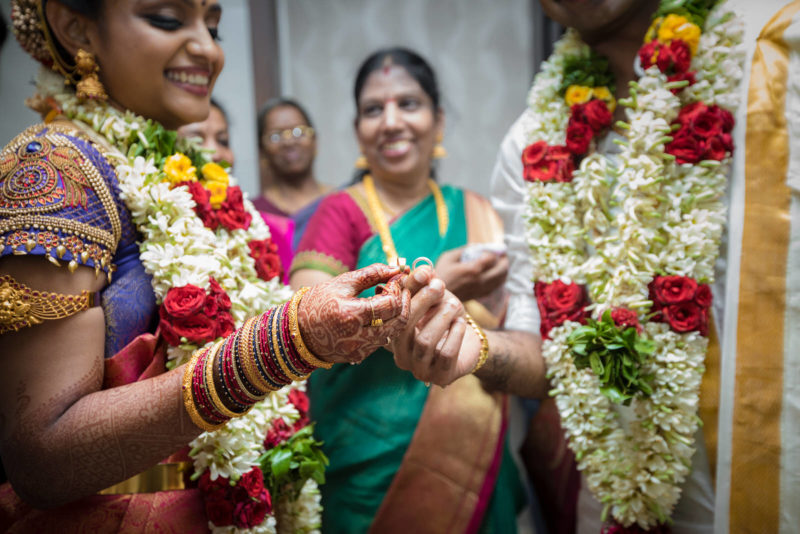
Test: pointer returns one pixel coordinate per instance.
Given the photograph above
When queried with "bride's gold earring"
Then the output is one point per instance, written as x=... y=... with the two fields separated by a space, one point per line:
x=89 y=86
x=361 y=163
x=439 y=151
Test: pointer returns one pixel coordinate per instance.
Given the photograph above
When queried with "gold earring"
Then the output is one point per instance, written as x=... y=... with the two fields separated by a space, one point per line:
x=89 y=86
x=361 y=162
x=439 y=151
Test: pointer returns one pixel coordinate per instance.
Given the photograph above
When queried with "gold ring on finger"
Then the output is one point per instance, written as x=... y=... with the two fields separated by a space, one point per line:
x=376 y=321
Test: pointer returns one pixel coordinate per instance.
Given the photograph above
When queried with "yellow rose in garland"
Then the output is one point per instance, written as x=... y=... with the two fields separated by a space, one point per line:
x=178 y=168
x=216 y=180
x=577 y=94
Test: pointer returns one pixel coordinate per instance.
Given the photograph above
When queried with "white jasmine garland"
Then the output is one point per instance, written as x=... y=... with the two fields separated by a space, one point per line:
x=613 y=228
x=176 y=250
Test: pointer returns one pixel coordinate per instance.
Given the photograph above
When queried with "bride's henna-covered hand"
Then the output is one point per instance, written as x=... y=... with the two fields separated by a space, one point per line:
x=336 y=324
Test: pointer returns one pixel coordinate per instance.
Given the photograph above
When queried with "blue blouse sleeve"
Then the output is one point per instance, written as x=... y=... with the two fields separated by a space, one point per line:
x=57 y=199
x=60 y=199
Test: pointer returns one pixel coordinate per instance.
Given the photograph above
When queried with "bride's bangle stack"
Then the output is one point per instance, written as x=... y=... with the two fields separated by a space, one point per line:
x=267 y=353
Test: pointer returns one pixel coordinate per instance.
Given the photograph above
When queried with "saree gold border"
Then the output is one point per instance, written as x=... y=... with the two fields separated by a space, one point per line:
x=483 y=226
x=160 y=477
x=309 y=259
x=439 y=481
x=708 y=403
x=756 y=440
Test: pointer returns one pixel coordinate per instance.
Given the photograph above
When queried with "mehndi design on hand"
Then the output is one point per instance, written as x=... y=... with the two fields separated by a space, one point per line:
x=336 y=324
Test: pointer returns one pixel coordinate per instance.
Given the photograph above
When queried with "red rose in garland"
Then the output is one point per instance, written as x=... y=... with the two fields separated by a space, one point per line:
x=672 y=58
x=219 y=294
x=185 y=301
x=702 y=296
x=192 y=313
x=232 y=214
x=301 y=402
x=681 y=302
x=673 y=289
x=545 y=163
x=217 y=499
x=252 y=482
x=704 y=133
x=202 y=201
x=686 y=147
x=579 y=136
x=686 y=317
x=595 y=113
x=625 y=318
x=268 y=262
x=278 y=433
x=559 y=302
x=244 y=504
x=252 y=511
x=219 y=510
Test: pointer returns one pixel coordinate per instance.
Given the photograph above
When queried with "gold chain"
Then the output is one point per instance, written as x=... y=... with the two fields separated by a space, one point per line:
x=374 y=204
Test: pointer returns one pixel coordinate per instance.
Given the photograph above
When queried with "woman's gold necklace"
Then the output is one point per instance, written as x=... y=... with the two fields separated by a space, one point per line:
x=377 y=212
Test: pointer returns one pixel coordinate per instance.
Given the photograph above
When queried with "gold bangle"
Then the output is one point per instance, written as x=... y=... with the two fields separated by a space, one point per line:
x=248 y=342
x=212 y=389
x=278 y=356
x=484 y=355
x=297 y=339
x=188 y=397
x=248 y=360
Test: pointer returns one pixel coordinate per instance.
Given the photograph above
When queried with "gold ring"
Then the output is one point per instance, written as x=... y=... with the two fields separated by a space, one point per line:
x=423 y=259
x=376 y=321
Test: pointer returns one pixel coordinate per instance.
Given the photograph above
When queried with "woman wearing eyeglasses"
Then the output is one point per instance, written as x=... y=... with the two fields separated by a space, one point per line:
x=288 y=145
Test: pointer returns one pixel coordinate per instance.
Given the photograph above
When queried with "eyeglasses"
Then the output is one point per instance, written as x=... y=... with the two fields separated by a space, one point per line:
x=298 y=132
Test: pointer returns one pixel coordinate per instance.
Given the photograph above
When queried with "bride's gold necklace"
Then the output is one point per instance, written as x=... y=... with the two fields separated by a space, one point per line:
x=376 y=210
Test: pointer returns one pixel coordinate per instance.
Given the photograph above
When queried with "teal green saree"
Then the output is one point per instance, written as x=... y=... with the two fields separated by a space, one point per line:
x=393 y=442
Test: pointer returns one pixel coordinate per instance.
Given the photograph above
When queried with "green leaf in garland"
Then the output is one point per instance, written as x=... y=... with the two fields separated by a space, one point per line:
x=589 y=69
x=695 y=10
x=288 y=465
x=614 y=355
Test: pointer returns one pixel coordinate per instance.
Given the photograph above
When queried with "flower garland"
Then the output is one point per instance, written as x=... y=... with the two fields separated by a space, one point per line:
x=623 y=251
x=213 y=266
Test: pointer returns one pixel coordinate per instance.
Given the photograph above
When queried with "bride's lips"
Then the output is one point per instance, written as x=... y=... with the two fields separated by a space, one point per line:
x=193 y=80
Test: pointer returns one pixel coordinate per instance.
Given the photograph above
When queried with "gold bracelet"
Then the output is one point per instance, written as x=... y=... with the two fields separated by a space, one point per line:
x=484 y=355
x=294 y=329
x=212 y=389
x=188 y=397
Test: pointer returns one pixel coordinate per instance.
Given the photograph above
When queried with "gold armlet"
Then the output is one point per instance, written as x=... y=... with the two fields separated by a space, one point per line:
x=21 y=306
x=484 y=355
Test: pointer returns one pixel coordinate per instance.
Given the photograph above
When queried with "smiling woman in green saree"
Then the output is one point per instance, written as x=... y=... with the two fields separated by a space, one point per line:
x=405 y=457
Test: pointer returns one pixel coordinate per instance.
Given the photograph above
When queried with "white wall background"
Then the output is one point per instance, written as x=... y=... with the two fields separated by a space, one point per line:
x=481 y=51
x=234 y=88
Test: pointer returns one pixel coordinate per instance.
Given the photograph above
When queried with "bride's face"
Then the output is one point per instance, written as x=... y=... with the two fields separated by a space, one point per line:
x=160 y=58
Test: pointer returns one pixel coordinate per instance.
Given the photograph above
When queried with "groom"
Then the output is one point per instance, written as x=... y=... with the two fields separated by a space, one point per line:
x=746 y=471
